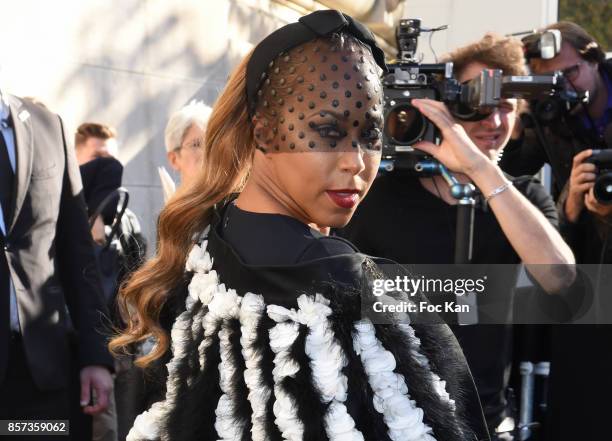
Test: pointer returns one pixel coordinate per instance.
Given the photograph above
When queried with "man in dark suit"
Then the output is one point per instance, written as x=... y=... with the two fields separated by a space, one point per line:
x=50 y=301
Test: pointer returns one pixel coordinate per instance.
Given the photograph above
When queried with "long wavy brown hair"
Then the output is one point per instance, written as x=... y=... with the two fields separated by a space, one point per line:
x=227 y=159
x=228 y=152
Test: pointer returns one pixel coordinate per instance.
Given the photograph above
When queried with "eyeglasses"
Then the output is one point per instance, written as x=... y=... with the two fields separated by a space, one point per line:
x=194 y=145
x=572 y=72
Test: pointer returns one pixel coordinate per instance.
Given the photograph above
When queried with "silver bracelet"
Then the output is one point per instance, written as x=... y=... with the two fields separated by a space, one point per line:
x=499 y=190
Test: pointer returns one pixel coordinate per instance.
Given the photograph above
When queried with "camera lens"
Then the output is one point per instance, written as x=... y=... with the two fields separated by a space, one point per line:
x=547 y=110
x=603 y=188
x=405 y=125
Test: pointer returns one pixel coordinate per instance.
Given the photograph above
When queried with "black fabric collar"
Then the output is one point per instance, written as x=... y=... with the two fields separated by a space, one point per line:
x=280 y=284
x=309 y=27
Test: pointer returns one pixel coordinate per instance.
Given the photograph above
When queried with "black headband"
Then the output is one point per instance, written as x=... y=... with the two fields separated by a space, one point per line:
x=308 y=28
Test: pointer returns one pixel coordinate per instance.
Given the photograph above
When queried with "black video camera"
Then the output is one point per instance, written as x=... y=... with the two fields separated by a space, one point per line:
x=549 y=109
x=408 y=79
x=471 y=101
x=603 y=182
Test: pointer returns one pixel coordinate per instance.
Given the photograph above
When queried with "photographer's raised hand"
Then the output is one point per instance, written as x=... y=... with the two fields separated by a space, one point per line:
x=581 y=182
x=522 y=223
x=457 y=151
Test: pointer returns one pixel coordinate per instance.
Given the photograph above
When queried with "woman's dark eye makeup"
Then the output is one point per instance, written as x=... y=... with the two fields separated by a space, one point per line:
x=327 y=130
x=334 y=129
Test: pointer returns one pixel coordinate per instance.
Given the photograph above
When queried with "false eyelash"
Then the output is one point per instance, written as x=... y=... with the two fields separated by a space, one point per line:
x=329 y=131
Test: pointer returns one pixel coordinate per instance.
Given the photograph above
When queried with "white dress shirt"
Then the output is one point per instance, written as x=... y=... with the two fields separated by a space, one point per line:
x=9 y=140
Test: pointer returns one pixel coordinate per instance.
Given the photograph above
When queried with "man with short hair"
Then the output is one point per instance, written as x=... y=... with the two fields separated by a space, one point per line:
x=570 y=141
x=94 y=140
x=96 y=147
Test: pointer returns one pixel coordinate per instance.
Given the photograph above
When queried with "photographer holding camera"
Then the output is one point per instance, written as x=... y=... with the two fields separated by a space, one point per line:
x=581 y=358
x=568 y=141
x=411 y=219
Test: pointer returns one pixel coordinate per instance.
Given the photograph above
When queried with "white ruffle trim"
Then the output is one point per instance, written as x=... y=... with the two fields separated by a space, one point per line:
x=199 y=261
x=202 y=289
x=180 y=335
x=282 y=336
x=438 y=383
x=327 y=360
x=251 y=312
x=401 y=414
x=224 y=308
x=146 y=424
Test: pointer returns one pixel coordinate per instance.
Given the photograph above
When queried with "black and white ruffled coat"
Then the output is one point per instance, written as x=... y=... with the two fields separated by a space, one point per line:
x=258 y=354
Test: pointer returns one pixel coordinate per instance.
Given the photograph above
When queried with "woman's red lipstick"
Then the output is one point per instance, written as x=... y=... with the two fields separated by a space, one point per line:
x=344 y=198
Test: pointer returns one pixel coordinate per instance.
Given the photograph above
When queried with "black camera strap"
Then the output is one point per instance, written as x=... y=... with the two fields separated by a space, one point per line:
x=115 y=195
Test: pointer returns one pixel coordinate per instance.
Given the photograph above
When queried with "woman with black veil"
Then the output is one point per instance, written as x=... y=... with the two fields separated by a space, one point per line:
x=256 y=312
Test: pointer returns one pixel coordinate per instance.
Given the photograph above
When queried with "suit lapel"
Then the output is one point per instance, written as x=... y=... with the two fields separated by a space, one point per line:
x=22 y=127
